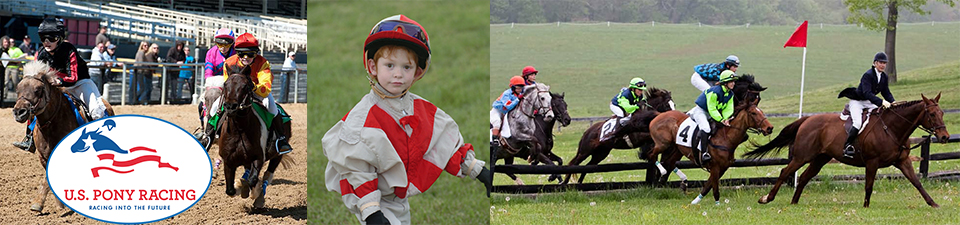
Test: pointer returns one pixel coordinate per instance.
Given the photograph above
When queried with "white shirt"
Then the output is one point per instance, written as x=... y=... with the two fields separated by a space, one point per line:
x=878 y=74
x=288 y=64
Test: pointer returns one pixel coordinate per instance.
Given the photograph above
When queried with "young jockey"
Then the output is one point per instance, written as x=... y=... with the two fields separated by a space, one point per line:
x=529 y=75
x=71 y=72
x=213 y=78
x=248 y=55
x=394 y=144
x=716 y=104
x=624 y=104
x=503 y=105
x=706 y=75
x=872 y=82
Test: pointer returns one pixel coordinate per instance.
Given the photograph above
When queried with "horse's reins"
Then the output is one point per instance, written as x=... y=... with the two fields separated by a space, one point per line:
x=912 y=124
x=46 y=99
x=532 y=113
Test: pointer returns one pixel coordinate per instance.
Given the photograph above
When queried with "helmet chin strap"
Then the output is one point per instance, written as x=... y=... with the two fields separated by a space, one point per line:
x=383 y=93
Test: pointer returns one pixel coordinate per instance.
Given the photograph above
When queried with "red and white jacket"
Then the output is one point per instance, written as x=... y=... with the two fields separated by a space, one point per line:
x=396 y=146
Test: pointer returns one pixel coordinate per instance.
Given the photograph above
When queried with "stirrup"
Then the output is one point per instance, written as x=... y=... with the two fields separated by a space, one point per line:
x=849 y=151
x=281 y=146
x=26 y=144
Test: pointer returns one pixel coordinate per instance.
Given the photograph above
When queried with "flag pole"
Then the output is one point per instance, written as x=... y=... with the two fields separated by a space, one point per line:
x=803 y=72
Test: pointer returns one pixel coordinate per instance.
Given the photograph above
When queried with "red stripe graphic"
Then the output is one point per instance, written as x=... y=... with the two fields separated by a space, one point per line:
x=141 y=148
x=96 y=171
x=138 y=160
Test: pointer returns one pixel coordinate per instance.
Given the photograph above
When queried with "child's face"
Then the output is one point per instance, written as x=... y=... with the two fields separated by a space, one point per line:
x=734 y=68
x=395 y=71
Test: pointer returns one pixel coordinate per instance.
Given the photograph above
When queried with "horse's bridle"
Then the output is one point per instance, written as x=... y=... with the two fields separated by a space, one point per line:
x=539 y=110
x=926 y=110
x=32 y=109
x=244 y=102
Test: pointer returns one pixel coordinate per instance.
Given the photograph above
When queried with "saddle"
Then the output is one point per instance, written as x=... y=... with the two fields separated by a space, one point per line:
x=262 y=114
x=77 y=106
x=848 y=123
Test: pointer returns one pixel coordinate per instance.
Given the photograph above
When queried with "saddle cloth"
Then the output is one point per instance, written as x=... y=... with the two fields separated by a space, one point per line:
x=848 y=123
x=688 y=133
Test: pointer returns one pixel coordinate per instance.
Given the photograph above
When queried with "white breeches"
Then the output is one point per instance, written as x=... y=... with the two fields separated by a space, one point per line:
x=698 y=82
x=856 y=110
x=617 y=110
x=496 y=118
x=700 y=116
x=87 y=91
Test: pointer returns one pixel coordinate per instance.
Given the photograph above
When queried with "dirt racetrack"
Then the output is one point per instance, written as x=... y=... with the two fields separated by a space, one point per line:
x=286 y=197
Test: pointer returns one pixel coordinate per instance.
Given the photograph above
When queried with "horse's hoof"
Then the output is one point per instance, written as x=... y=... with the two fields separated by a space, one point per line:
x=683 y=187
x=934 y=205
x=763 y=200
x=231 y=192
x=241 y=185
x=259 y=201
x=36 y=208
x=518 y=181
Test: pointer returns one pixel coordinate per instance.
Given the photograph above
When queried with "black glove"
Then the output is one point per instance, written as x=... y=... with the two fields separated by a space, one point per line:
x=377 y=218
x=487 y=178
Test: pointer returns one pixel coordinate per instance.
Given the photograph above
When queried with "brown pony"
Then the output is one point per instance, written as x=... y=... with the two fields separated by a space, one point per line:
x=724 y=142
x=38 y=98
x=243 y=141
x=631 y=136
x=820 y=138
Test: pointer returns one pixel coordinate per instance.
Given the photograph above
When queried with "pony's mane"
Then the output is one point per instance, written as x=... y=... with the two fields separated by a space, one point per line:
x=900 y=105
x=653 y=91
x=36 y=68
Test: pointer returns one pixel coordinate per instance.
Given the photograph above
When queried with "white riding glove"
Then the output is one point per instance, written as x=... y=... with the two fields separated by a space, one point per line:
x=886 y=104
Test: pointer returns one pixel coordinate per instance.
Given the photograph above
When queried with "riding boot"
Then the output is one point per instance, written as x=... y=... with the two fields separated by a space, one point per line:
x=26 y=144
x=704 y=147
x=848 y=149
x=281 y=146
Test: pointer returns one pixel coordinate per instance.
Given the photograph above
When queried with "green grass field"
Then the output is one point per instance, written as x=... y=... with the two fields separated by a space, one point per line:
x=455 y=82
x=582 y=60
x=591 y=63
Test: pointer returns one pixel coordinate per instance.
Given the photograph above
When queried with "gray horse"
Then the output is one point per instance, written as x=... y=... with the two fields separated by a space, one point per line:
x=535 y=101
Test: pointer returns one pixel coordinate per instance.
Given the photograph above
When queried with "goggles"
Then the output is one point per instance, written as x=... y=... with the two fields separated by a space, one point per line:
x=409 y=29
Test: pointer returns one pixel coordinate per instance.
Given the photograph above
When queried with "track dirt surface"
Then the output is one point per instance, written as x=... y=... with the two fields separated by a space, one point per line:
x=286 y=197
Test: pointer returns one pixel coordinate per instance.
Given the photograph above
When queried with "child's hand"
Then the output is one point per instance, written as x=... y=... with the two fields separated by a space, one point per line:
x=486 y=177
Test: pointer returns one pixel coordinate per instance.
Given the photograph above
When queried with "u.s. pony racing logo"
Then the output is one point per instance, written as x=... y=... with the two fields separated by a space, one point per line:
x=129 y=169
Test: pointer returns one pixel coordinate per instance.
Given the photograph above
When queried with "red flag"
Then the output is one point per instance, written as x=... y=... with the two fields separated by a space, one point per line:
x=799 y=37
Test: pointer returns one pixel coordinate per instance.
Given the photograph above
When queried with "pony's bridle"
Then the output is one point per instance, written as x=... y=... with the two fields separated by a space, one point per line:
x=540 y=107
x=925 y=112
x=245 y=102
x=32 y=109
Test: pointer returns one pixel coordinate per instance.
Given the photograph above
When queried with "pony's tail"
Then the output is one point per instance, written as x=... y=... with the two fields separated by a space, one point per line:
x=286 y=161
x=786 y=137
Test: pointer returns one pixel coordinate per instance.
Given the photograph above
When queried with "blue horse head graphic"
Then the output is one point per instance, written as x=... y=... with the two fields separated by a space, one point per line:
x=97 y=141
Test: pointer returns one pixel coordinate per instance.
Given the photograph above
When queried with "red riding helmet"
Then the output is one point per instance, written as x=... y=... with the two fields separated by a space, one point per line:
x=516 y=80
x=246 y=42
x=529 y=70
x=402 y=31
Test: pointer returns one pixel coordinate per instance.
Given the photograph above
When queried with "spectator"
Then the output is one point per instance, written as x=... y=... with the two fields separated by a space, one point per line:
x=102 y=36
x=174 y=55
x=12 y=72
x=26 y=47
x=109 y=55
x=146 y=79
x=186 y=73
x=289 y=68
x=93 y=66
x=135 y=77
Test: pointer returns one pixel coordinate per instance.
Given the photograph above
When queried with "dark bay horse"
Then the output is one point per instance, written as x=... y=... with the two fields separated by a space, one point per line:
x=820 y=138
x=631 y=136
x=543 y=134
x=724 y=142
x=243 y=141
x=38 y=98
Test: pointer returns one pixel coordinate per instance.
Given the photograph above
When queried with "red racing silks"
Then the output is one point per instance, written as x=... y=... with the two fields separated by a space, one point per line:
x=363 y=190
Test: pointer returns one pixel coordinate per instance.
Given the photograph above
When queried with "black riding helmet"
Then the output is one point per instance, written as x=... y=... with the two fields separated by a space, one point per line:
x=51 y=27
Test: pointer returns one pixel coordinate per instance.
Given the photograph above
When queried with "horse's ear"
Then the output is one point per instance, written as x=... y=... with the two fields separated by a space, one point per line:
x=937 y=99
x=565 y=93
x=924 y=97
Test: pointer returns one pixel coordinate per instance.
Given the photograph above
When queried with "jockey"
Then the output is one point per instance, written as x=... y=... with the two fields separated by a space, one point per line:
x=706 y=75
x=872 y=82
x=213 y=77
x=624 y=104
x=394 y=144
x=248 y=55
x=529 y=75
x=503 y=105
x=71 y=72
x=714 y=104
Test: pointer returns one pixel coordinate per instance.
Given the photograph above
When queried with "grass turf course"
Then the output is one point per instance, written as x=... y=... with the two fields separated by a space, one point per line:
x=822 y=201
x=459 y=38
x=591 y=63
x=893 y=201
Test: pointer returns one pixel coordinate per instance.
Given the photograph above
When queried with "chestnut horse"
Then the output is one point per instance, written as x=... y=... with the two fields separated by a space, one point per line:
x=633 y=135
x=243 y=141
x=820 y=138
x=38 y=98
x=724 y=142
